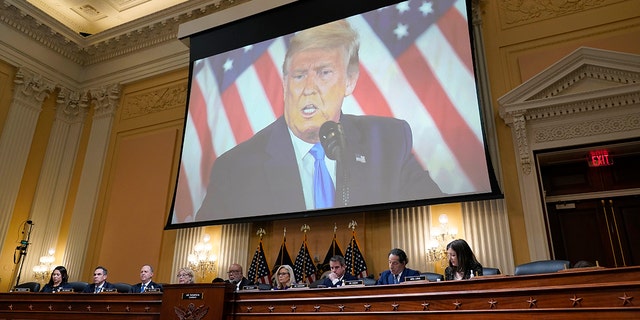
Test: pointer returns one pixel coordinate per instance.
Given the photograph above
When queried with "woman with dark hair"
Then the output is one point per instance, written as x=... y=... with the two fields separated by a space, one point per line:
x=59 y=280
x=462 y=261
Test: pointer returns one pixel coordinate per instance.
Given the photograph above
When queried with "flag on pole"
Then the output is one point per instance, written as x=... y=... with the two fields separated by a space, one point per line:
x=334 y=249
x=259 y=269
x=238 y=93
x=304 y=269
x=354 y=259
x=283 y=256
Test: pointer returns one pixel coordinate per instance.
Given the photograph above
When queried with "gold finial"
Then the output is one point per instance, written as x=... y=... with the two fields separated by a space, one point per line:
x=352 y=225
x=285 y=231
x=335 y=227
x=305 y=227
x=261 y=232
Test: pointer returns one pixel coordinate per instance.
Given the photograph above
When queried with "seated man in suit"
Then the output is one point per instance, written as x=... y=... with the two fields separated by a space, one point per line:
x=281 y=168
x=99 y=281
x=146 y=275
x=397 y=268
x=338 y=273
x=237 y=277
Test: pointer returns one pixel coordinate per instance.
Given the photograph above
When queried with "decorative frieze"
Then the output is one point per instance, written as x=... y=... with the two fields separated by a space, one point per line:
x=515 y=13
x=157 y=100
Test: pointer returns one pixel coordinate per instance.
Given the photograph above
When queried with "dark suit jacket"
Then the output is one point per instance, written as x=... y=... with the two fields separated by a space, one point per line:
x=152 y=285
x=244 y=282
x=387 y=278
x=347 y=276
x=92 y=287
x=51 y=289
x=260 y=175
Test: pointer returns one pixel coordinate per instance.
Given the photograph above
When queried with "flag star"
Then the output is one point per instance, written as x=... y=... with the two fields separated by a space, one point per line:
x=402 y=7
x=401 y=30
x=228 y=65
x=247 y=48
x=426 y=8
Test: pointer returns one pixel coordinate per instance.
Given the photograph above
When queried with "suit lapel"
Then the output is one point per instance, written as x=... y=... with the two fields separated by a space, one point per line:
x=280 y=166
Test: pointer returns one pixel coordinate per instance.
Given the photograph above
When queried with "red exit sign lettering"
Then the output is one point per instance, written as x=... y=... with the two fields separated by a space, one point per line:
x=599 y=158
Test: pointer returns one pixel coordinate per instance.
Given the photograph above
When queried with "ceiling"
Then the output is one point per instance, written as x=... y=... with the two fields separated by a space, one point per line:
x=88 y=17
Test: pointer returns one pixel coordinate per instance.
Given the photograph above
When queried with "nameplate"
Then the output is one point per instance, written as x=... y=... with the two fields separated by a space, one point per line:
x=192 y=296
x=152 y=290
x=415 y=278
x=22 y=290
x=354 y=282
x=66 y=290
x=254 y=287
x=299 y=286
x=109 y=290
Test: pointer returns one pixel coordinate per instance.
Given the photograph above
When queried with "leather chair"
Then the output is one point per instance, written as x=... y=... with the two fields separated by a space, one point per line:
x=490 y=271
x=122 y=287
x=32 y=286
x=432 y=276
x=78 y=286
x=542 y=266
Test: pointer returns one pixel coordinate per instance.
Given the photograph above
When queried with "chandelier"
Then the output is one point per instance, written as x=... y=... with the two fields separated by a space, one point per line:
x=440 y=237
x=202 y=260
x=41 y=271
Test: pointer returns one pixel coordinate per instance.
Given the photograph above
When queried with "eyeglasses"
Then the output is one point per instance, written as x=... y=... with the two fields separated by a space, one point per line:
x=283 y=274
x=182 y=275
x=233 y=271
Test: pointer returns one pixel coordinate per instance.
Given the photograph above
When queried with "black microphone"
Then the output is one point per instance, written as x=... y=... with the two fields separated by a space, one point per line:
x=332 y=140
x=29 y=222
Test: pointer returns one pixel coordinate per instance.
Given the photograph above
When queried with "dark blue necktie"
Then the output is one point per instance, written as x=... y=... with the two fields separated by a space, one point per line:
x=323 y=189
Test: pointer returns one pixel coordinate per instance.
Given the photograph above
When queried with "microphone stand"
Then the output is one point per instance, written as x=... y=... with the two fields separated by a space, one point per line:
x=24 y=244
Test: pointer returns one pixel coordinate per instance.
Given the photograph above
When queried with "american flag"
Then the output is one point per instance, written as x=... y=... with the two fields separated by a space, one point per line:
x=355 y=260
x=304 y=269
x=283 y=256
x=334 y=249
x=259 y=269
x=415 y=64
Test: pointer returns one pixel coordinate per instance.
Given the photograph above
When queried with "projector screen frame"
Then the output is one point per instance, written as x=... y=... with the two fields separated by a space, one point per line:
x=225 y=37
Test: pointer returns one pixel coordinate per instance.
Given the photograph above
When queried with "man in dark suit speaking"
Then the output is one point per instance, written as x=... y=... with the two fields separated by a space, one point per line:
x=283 y=168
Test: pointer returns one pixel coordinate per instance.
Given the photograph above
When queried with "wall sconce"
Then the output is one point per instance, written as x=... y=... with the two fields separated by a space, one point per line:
x=441 y=236
x=41 y=271
x=202 y=260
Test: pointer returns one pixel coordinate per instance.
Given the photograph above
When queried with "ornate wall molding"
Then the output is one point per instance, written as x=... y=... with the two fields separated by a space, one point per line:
x=71 y=106
x=159 y=99
x=144 y=33
x=515 y=13
x=588 y=128
x=106 y=99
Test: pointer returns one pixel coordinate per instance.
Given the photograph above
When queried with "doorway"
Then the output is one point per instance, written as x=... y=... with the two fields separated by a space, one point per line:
x=592 y=200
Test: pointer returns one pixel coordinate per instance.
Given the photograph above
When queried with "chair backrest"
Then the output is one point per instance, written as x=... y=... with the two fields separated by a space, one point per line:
x=32 y=286
x=78 y=286
x=490 y=271
x=122 y=287
x=542 y=266
x=432 y=276
x=368 y=281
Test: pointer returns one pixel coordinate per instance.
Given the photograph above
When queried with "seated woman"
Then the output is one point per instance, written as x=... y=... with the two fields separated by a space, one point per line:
x=59 y=280
x=284 y=278
x=462 y=261
x=185 y=276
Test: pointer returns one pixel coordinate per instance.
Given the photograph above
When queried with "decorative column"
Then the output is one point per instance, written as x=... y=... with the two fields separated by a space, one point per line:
x=53 y=185
x=234 y=247
x=486 y=226
x=410 y=230
x=105 y=103
x=29 y=92
x=186 y=239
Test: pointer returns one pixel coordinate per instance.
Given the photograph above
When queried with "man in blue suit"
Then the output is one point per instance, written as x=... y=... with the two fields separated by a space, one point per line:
x=339 y=273
x=397 y=268
x=273 y=172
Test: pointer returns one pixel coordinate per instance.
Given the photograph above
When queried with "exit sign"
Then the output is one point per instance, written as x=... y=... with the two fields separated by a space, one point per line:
x=599 y=158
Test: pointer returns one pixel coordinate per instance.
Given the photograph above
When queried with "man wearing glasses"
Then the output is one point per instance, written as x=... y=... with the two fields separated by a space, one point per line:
x=236 y=277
